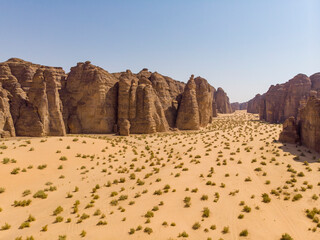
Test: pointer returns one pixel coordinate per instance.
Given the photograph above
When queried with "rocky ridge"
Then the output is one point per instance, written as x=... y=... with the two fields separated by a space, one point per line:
x=37 y=100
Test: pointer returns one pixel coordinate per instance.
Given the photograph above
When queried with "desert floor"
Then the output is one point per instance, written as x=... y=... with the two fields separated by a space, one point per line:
x=204 y=184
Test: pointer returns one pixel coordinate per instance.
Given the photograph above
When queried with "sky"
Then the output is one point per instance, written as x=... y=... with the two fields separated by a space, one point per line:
x=242 y=46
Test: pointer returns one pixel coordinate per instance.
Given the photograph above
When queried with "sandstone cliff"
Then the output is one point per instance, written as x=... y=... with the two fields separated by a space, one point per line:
x=306 y=129
x=222 y=101
x=254 y=104
x=37 y=100
x=139 y=108
x=283 y=100
x=35 y=105
x=188 y=114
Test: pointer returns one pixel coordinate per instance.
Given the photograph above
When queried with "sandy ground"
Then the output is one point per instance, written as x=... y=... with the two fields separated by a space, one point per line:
x=139 y=183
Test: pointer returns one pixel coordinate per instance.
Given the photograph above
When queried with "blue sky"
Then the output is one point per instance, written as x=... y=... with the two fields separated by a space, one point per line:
x=241 y=46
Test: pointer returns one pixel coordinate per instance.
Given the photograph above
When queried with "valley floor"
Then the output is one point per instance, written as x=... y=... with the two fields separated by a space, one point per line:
x=204 y=184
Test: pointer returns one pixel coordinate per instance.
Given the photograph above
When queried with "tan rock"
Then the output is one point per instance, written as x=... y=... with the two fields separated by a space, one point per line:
x=6 y=123
x=188 y=114
x=254 y=104
x=283 y=100
x=289 y=133
x=89 y=97
x=222 y=101
x=205 y=100
x=139 y=105
x=309 y=122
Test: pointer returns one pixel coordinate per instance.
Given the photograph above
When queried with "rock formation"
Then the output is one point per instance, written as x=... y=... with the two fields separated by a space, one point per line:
x=309 y=124
x=37 y=100
x=289 y=133
x=168 y=91
x=283 y=100
x=235 y=106
x=222 y=101
x=89 y=97
x=306 y=129
x=35 y=105
x=139 y=105
x=205 y=100
x=238 y=106
x=6 y=123
x=254 y=104
x=188 y=114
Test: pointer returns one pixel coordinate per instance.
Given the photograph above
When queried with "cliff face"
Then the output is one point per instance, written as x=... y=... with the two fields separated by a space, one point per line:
x=238 y=106
x=306 y=129
x=32 y=90
x=37 y=100
x=89 y=97
x=139 y=109
x=168 y=91
x=309 y=123
x=254 y=104
x=222 y=101
x=188 y=115
x=283 y=100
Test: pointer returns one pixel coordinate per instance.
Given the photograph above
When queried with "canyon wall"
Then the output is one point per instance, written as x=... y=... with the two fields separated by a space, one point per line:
x=284 y=100
x=306 y=128
x=37 y=100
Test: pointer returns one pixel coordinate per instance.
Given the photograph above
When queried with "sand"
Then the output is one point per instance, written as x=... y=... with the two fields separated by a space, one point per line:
x=225 y=167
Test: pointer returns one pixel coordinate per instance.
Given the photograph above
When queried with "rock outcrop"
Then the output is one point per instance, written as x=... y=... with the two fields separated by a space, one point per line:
x=235 y=106
x=139 y=107
x=204 y=97
x=289 y=133
x=168 y=91
x=37 y=100
x=90 y=96
x=35 y=104
x=309 y=124
x=188 y=114
x=222 y=101
x=306 y=129
x=283 y=100
x=254 y=104
x=6 y=123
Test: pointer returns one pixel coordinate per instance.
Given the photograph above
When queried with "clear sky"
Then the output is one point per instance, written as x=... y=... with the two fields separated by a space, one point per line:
x=242 y=46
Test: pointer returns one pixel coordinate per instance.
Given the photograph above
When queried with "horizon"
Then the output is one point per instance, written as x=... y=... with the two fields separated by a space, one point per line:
x=243 y=48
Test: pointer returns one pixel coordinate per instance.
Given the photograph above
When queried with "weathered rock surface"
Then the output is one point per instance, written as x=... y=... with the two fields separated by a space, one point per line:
x=140 y=106
x=89 y=97
x=289 y=133
x=168 y=91
x=35 y=105
x=235 y=106
x=6 y=123
x=204 y=96
x=283 y=100
x=188 y=114
x=254 y=104
x=37 y=100
x=309 y=124
x=222 y=101
x=306 y=129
